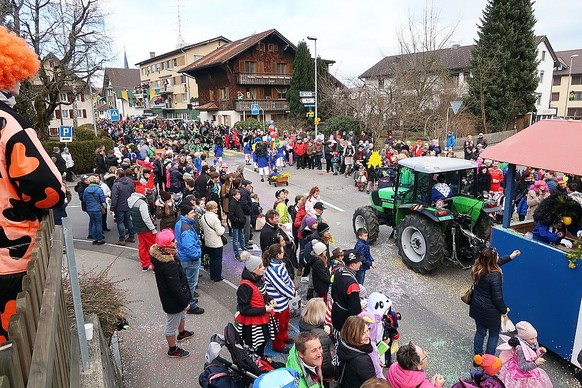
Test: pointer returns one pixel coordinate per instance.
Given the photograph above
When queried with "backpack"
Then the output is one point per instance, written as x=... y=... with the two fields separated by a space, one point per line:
x=261 y=149
x=217 y=375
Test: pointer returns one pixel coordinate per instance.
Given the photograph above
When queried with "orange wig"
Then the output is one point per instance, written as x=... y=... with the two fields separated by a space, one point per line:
x=17 y=60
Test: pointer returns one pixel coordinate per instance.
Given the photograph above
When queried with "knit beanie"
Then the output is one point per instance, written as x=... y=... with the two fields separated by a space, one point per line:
x=165 y=238
x=319 y=248
x=490 y=364
x=185 y=209
x=310 y=221
x=526 y=331
x=251 y=262
x=322 y=227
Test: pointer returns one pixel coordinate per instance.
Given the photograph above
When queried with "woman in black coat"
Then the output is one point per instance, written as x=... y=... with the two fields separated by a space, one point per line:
x=313 y=319
x=173 y=290
x=487 y=305
x=482 y=181
x=353 y=353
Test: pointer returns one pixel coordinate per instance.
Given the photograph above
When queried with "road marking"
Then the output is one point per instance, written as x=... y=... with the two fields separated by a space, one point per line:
x=324 y=202
x=135 y=249
x=332 y=206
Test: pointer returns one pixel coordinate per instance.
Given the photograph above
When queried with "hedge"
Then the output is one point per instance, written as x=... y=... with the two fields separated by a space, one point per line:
x=82 y=148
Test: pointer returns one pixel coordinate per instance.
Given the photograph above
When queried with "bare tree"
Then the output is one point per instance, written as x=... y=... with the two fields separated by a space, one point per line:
x=70 y=39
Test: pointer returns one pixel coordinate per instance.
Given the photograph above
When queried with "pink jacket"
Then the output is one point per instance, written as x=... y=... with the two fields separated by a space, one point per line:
x=402 y=378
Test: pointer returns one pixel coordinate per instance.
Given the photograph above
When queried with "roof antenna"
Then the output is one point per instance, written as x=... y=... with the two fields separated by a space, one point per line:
x=180 y=38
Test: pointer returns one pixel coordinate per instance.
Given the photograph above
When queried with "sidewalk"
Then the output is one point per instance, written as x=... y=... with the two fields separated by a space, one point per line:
x=143 y=346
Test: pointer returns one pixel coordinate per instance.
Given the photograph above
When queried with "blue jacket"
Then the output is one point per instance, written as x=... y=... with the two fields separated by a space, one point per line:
x=187 y=240
x=549 y=235
x=262 y=161
x=218 y=151
x=93 y=196
x=363 y=248
x=451 y=140
x=247 y=148
x=522 y=206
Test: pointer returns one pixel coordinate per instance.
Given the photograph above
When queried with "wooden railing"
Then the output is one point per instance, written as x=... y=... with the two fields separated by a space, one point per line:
x=38 y=353
x=264 y=105
x=263 y=79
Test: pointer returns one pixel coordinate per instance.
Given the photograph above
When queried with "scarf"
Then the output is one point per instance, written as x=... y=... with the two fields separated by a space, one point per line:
x=7 y=98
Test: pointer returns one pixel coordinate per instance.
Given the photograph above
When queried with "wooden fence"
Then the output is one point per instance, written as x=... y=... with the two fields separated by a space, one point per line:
x=38 y=353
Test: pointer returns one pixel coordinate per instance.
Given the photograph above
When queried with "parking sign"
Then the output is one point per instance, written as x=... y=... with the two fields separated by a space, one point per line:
x=66 y=134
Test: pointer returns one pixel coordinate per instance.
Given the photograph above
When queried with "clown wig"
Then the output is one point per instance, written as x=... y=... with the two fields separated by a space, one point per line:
x=17 y=60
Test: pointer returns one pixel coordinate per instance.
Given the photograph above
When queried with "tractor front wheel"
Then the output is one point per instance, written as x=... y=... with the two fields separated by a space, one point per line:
x=421 y=243
x=365 y=217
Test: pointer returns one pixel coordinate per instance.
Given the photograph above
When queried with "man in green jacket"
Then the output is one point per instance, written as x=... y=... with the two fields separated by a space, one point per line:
x=306 y=357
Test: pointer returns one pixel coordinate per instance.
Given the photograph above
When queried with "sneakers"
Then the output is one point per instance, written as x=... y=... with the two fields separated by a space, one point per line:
x=184 y=335
x=129 y=240
x=120 y=242
x=99 y=242
x=149 y=267
x=196 y=311
x=178 y=353
x=237 y=257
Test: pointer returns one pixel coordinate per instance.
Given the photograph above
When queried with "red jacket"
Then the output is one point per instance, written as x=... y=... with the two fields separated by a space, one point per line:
x=496 y=179
x=300 y=149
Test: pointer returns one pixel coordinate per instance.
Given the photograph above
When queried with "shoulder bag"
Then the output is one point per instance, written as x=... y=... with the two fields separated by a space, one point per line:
x=224 y=240
x=468 y=295
x=103 y=208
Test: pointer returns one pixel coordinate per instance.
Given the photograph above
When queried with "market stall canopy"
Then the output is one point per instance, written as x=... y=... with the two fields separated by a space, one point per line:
x=548 y=144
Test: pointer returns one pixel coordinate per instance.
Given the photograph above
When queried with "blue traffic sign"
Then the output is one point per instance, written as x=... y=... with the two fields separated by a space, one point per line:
x=113 y=114
x=254 y=109
x=66 y=133
x=309 y=105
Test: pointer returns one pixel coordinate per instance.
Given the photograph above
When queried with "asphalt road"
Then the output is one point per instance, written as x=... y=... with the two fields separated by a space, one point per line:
x=432 y=314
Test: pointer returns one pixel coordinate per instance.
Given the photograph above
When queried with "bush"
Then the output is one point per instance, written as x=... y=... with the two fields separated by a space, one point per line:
x=84 y=132
x=339 y=123
x=83 y=152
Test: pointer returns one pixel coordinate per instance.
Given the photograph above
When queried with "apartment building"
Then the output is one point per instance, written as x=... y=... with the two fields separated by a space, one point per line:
x=167 y=92
x=567 y=84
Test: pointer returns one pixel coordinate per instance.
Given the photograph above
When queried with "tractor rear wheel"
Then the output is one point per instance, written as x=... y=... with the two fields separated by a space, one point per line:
x=365 y=217
x=421 y=243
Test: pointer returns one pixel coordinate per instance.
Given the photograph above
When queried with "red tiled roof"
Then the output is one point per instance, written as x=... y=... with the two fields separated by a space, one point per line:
x=228 y=51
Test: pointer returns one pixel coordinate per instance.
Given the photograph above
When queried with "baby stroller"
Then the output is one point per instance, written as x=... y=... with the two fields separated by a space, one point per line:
x=245 y=366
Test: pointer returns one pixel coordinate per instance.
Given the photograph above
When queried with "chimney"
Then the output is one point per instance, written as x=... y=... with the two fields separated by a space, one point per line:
x=152 y=54
x=456 y=46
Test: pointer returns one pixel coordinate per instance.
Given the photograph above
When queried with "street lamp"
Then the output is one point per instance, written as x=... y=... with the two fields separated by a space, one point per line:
x=314 y=39
x=568 y=87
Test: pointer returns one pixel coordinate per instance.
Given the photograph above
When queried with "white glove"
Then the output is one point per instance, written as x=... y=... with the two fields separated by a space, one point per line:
x=579 y=234
x=566 y=243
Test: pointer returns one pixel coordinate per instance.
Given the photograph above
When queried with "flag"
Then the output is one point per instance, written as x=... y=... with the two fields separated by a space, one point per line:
x=124 y=95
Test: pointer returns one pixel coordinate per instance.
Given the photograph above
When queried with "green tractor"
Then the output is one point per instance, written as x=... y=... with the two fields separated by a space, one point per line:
x=430 y=230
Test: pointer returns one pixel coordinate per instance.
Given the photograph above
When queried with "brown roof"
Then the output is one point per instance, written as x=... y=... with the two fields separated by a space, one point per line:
x=121 y=78
x=453 y=58
x=230 y=50
x=564 y=58
x=181 y=49
x=208 y=106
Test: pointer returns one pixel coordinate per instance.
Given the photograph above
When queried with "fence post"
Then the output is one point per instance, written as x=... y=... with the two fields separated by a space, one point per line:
x=76 y=292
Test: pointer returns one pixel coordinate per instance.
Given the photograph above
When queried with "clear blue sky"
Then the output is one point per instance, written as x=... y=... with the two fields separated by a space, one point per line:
x=356 y=34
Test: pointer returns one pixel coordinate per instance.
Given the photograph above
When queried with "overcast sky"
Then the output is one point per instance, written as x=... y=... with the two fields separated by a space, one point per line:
x=355 y=34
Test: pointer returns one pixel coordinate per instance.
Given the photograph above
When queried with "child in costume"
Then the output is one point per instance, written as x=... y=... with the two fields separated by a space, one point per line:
x=554 y=217
x=485 y=377
x=522 y=357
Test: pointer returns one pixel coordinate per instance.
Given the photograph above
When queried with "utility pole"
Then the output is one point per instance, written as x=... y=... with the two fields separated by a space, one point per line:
x=314 y=39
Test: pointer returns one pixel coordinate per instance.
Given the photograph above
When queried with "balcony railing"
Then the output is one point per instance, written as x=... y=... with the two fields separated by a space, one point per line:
x=264 y=105
x=263 y=79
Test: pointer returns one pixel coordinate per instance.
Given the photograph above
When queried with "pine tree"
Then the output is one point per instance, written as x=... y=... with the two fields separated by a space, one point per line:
x=303 y=79
x=503 y=64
